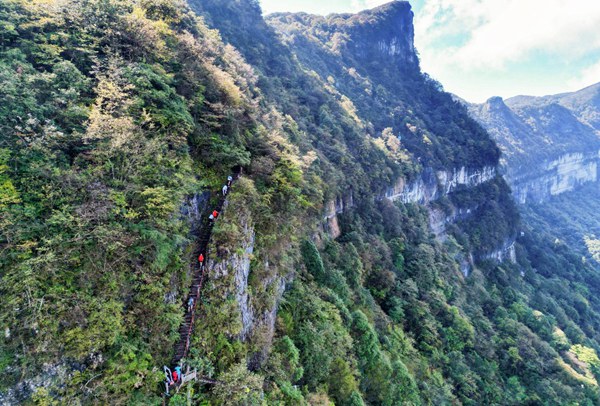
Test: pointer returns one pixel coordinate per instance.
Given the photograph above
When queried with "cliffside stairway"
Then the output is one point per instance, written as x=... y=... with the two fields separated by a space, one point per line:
x=198 y=279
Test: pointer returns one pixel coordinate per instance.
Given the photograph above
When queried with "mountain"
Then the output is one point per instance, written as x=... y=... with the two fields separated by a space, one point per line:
x=368 y=251
x=551 y=157
x=550 y=144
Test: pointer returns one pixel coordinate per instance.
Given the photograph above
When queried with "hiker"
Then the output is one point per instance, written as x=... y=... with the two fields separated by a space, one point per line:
x=225 y=190
x=168 y=377
x=215 y=214
x=177 y=374
x=229 y=180
x=190 y=304
x=201 y=259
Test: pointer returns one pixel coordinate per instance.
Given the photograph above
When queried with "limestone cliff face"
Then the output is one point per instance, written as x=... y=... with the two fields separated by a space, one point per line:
x=332 y=209
x=228 y=273
x=431 y=185
x=249 y=308
x=440 y=219
x=506 y=252
x=550 y=145
x=551 y=178
x=238 y=266
x=428 y=187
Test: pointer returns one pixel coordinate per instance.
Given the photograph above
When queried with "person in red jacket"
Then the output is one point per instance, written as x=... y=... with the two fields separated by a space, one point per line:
x=201 y=259
x=215 y=214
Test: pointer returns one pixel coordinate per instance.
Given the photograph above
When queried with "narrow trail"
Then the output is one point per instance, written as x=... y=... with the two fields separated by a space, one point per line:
x=198 y=279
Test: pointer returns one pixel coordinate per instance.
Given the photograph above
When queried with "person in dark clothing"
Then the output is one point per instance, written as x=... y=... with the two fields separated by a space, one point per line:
x=168 y=375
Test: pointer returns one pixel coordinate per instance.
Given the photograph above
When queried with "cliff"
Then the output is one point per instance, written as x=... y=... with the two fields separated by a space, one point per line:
x=113 y=148
x=370 y=65
x=550 y=144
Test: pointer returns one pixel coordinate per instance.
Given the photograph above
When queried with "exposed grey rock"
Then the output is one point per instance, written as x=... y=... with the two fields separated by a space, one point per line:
x=49 y=375
x=506 y=252
x=237 y=265
x=430 y=185
x=550 y=144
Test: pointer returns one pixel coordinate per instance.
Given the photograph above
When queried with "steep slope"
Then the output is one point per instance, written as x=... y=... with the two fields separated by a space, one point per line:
x=126 y=116
x=399 y=105
x=550 y=144
x=551 y=149
x=109 y=137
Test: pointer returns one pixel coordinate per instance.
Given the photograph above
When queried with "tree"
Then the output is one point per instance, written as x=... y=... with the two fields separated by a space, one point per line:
x=238 y=386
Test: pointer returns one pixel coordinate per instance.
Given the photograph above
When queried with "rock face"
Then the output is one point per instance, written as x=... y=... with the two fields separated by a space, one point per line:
x=192 y=210
x=431 y=185
x=250 y=316
x=230 y=273
x=550 y=144
x=564 y=174
x=506 y=252
x=49 y=375
x=439 y=219
x=385 y=32
x=428 y=187
x=332 y=209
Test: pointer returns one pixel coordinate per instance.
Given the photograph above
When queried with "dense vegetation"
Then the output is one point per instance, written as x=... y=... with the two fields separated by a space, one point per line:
x=115 y=114
x=571 y=219
x=387 y=90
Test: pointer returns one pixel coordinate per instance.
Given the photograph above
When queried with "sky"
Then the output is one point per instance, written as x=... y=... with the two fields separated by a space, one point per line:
x=483 y=48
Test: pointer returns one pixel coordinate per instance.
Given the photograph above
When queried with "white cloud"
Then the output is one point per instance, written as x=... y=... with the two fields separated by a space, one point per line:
x=496 y=32
x=359 y=5
x=588 y=77
x=490 y=42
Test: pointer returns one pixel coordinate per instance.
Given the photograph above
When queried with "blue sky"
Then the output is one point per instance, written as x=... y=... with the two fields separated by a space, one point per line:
x=483 y=48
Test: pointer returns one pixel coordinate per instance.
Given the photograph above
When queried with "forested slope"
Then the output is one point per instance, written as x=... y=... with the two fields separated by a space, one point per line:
x=121 y=119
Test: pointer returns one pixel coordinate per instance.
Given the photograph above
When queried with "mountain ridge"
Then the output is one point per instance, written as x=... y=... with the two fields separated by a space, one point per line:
x=370 y=253
x=558 y=134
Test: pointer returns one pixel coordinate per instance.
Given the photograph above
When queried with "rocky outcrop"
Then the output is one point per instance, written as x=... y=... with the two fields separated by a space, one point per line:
x=230 y=272
x=251 y=315
x=506 y=252
x=439 y=219
x=264 y=326
x=332 y=209
x=564 y=174
x=191 y=212
x=192 y=209
x=431 y=185
x=48 y=376
x=426 y=189
x=385 y=32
